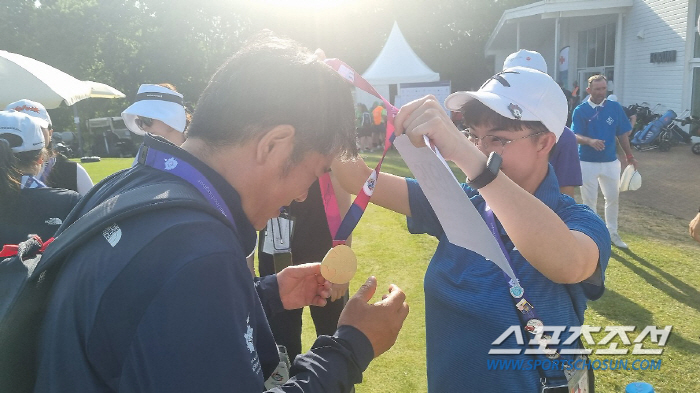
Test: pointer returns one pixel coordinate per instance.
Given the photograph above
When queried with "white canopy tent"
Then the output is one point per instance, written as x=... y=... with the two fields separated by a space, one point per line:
x=396 y=63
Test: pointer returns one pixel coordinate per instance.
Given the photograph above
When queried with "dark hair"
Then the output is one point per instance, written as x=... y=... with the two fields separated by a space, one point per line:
x=188 y=113
x=273 y=81
x=10 y=176
x=476 y=113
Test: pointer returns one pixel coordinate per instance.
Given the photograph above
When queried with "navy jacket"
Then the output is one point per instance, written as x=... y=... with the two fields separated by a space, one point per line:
x=164 y=302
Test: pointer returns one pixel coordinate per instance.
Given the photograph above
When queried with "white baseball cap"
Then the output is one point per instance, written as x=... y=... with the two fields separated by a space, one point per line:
x=27 y=128
x=612 y=97
x=519 y=93
x=631 y=179
x=32 y=108
x=526 y=58
x=156 y=102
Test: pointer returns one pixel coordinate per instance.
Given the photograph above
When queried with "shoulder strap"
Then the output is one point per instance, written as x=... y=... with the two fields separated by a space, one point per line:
x=146 y=198
x=21 y=324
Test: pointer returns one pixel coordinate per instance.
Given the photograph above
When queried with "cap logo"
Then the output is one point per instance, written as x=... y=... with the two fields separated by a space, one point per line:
x=27 y=108
x=515 y=110
x=528 y=58
x=499 y=77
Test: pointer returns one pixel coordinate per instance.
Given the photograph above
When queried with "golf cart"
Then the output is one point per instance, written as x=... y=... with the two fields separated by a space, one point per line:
x=111 y=138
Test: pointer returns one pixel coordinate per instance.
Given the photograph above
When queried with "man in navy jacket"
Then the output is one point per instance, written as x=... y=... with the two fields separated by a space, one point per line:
x=164 y=302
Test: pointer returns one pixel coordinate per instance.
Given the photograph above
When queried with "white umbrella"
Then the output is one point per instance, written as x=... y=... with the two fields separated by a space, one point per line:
x=101 y=90
x=23 y=77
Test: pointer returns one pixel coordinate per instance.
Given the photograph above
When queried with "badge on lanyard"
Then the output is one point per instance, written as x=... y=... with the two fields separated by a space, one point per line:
x=578 y=378
x=278 y=234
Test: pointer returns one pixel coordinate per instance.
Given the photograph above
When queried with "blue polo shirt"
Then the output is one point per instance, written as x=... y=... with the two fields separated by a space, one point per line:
x=605 y=122
x=468 y=305
x=164 y=302
x=565 y=161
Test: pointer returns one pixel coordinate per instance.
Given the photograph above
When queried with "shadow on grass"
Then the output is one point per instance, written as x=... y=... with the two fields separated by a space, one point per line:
x=682 y=292
x=621 y=309
x=616 y=307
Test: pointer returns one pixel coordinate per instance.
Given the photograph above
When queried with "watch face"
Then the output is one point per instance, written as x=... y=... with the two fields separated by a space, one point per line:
x=494 y=162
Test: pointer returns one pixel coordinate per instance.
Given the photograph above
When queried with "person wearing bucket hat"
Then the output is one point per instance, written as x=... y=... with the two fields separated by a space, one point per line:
x=28 y=206
x=597 y=123
x=564 y=157
x=159 y=110
x=58 y=171
x=559 y=249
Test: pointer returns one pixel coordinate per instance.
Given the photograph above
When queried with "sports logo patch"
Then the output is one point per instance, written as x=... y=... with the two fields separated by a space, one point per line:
x=170 y=163
x=515 y=110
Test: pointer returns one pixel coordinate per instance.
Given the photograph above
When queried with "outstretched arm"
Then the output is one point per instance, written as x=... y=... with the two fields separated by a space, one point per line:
x=390 y=192
x=563 y=255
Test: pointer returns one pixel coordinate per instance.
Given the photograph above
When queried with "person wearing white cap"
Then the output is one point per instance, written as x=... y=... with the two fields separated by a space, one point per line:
x=28 y=206
x=526 y=58
x=564 y=157
x=158 y=110
x=57 y=171
x=557 y=249
x=597 y=123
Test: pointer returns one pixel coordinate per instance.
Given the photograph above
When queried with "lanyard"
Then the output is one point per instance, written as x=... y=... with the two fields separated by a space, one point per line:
x=361 y=201
x=526 y=311
x=48 y=167
x=168 y=163
x=31 y=182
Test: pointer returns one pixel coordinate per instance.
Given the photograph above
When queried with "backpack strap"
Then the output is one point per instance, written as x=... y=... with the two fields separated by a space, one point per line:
x=145 y=198
x=20 y=325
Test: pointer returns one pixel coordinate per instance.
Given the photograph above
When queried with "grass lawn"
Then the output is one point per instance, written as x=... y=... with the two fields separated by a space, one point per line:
x=656 y=282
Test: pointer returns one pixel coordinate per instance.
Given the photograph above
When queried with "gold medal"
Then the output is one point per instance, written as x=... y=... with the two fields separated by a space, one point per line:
x=339 y=265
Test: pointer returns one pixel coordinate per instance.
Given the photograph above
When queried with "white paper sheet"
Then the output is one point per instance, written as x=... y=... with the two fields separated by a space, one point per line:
x=462 y=223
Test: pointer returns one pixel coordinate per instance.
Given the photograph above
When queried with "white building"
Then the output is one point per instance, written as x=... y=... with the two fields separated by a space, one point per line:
x=649 y=49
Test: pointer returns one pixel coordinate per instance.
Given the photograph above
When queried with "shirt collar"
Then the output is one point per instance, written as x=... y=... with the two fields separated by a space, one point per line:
x=228 y=193
x=602 y=103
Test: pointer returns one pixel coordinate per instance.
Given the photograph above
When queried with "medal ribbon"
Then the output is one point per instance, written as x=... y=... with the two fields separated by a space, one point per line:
x=330 y=205
x=526 y=311
x=177 y=166
x=361 y=201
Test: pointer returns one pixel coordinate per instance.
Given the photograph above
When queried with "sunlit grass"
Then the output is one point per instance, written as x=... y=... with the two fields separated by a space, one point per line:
x=656 y=283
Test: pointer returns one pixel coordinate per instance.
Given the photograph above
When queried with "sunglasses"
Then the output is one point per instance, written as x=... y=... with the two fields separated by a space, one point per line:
x=143 y=121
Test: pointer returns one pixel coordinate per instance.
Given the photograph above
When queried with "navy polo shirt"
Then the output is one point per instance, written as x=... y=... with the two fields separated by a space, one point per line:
x=468 y=305
x=164 y=302
x=604 y=122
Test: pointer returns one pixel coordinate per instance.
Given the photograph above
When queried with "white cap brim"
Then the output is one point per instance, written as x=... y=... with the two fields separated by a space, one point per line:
x=169 y=113
x=496 y=103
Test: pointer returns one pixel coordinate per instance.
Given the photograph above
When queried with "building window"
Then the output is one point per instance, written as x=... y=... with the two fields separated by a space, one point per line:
x=695 y=99
x=596 y=47
x=596 y=53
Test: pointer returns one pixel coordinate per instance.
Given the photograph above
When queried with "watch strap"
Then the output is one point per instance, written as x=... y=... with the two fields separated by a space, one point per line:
x=493 y=165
